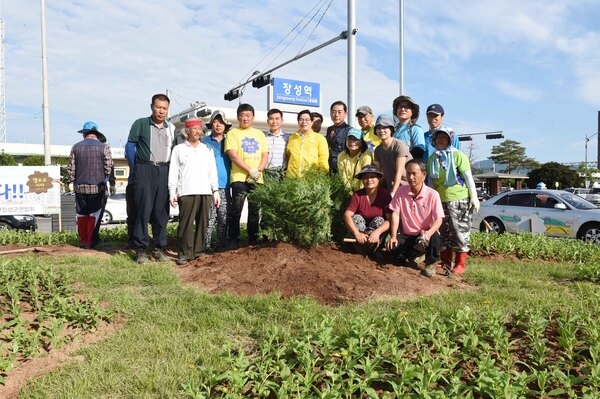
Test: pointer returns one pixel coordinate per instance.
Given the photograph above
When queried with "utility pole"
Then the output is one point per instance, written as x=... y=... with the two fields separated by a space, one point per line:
x=598 y=145
x=351 y=62
x=401 y=37
x=45 y=106
x=2 y=86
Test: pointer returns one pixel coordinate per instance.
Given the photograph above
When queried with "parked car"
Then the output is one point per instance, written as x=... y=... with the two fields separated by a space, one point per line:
x=116 y=210
x=18 y=222
x=555 y=213
x=482 y=195
x=590 y=194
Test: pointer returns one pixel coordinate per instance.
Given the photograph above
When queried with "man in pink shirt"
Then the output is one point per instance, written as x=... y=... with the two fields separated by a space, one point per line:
x=419 y=208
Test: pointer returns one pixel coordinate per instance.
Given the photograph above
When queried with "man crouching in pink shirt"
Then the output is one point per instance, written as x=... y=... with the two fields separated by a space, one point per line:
x=419 y=208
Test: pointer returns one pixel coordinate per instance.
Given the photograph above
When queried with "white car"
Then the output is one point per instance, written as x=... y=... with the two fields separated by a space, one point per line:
x=590 y=194
x=555 y=213
x=116 y=209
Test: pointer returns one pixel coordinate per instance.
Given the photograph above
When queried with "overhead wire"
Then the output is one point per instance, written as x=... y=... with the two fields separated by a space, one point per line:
x=316 y=26
x=315 y=12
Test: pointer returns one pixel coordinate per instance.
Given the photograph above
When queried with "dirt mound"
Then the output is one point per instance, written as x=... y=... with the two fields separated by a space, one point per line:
x=326 y=273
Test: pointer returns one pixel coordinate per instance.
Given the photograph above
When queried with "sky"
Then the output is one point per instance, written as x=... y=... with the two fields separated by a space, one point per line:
x=527 y=68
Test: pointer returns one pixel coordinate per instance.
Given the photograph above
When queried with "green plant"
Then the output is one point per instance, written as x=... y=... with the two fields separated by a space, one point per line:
x=296 y=210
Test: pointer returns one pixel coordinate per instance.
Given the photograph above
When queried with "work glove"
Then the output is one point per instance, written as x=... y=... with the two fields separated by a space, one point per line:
x=216 y=199
x=71 y=187
x=474 y=204
x=254 y=174
x=113 y=190
x=421 y=243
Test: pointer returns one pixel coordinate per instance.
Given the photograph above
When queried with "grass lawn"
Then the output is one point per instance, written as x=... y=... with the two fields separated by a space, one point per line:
x=528 y=328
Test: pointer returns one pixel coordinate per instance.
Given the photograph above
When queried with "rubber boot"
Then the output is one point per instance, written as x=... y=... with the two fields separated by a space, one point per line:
x=82 y=230
x=91 y=227
x=460 y=264
x=446 y=258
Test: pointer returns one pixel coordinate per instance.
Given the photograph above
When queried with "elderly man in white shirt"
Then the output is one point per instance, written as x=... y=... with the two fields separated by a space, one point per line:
x=193 y=184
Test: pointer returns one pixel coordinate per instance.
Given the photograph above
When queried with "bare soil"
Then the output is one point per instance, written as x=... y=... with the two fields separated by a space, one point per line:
x=329 y=274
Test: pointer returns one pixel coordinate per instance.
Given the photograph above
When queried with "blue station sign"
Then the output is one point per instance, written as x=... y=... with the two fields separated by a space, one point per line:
x=296 y=92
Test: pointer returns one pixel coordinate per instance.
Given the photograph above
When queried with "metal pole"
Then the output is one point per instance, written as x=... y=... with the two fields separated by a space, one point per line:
x=401 y=57
x=45 y=109
x=587 y=183
x=351 y=62
x=598 y=145
x=341 y=36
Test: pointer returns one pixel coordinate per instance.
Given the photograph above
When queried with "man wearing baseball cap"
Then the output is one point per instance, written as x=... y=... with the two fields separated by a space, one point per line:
x=89 y=169
x=366 y=121
x=435 y=119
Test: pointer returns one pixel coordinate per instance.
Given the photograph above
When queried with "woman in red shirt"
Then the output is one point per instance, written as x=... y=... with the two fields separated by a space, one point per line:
x=365 y=216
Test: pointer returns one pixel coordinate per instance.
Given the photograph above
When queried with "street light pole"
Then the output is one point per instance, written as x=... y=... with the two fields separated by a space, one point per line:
x=587 y=139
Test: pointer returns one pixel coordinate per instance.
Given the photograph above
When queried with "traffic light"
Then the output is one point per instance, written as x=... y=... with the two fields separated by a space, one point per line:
x=261 y=81
x=203 y=112
x=494 y=136
x=465 y=138
x=232 y=95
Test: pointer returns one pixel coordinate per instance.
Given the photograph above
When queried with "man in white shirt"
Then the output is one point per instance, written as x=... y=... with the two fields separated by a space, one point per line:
x=193 y=184
x=277 y=140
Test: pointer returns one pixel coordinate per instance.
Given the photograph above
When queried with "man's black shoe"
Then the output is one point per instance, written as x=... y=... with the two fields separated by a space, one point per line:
x=159 y=255
x=141 y=256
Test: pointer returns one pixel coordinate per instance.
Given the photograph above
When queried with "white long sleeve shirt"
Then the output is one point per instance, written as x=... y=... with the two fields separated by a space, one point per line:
x=193 y=170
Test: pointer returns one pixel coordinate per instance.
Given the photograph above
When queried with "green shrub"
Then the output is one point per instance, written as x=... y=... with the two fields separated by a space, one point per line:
x=299 y=211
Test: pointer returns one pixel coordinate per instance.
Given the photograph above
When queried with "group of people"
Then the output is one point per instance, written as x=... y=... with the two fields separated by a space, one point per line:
x=411 y=192
x=417 y=196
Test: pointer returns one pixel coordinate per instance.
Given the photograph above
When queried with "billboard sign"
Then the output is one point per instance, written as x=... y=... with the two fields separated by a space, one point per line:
x=29 y=190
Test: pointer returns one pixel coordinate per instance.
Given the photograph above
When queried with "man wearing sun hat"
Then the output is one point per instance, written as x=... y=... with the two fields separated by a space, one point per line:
x=89 y=169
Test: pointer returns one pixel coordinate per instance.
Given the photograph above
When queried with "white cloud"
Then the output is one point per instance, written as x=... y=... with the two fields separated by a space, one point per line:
x=106 y=59
x=518 y=91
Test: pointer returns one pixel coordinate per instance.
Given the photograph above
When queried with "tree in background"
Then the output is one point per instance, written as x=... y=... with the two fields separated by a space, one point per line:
x=7 y=160
x=587 y=173
x=512 y=154
x=34 y=160
x=553 y=172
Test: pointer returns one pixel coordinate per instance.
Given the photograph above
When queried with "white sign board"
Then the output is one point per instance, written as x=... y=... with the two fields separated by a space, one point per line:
x=29 y=190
